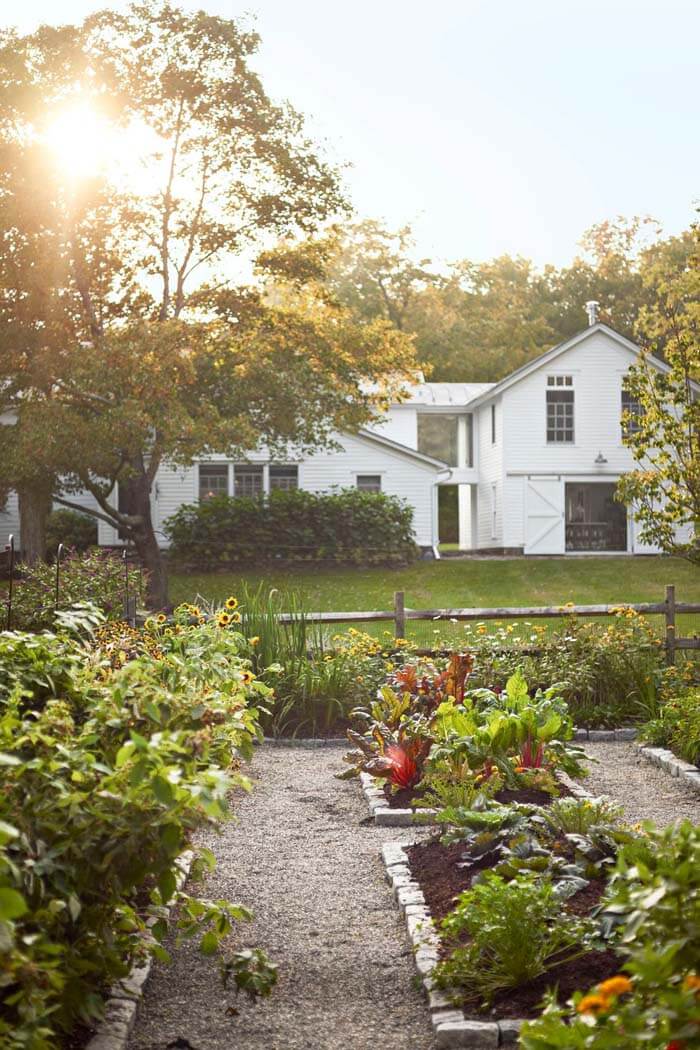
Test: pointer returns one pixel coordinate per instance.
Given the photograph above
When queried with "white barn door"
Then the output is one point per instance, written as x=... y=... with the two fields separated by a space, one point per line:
x=544 y=516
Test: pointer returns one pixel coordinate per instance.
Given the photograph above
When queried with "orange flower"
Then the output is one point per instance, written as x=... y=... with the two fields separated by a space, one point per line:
x=520 y=769
x=618 y=985
x=692 y=983
x=593 y=1004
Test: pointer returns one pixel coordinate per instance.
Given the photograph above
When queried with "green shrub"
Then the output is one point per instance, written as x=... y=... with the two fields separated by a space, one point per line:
x=516 y=932
x=74 y=530
x=104 y=774
x=95 y=576
x=344 y=527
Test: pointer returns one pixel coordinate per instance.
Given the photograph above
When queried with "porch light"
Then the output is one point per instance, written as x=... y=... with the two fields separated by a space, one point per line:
x=600 y=460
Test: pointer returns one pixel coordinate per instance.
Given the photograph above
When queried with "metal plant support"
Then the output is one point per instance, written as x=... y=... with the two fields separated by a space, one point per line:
x=60 y=551
x=10 y=548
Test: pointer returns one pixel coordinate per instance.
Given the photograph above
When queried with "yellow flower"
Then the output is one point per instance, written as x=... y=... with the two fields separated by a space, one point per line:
x=618 y=985
x=201 y=620
x=195 y=610
x=247 y=677
x=161 y=618
x=254 y=640
x=593 y=1004
x=223 y=619
x=231 y=603
x=235 y=617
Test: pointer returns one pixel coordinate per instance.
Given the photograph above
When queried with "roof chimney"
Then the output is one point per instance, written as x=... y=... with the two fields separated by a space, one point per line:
x=592 y=311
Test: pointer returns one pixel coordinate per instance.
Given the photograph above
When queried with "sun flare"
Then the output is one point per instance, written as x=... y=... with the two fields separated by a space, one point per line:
x=84 y=143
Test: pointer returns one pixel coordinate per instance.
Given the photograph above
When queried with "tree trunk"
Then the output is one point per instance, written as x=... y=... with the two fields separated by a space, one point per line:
x=135 y=493
x=35 y=500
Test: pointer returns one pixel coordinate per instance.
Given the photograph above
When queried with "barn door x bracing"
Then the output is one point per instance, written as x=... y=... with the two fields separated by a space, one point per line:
x=544 y=516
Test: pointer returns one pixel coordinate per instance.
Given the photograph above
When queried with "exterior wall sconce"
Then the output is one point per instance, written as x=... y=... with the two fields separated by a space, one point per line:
x=600 y=460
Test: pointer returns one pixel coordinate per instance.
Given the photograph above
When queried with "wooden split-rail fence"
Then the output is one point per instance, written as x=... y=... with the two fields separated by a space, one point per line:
x=669 y=609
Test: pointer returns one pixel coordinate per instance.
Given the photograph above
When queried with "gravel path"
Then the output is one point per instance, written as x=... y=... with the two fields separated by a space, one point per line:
x=312 y=874
x=645 y=791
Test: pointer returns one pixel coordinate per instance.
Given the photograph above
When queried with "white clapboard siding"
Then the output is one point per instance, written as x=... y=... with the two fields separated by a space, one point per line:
x=490 y=466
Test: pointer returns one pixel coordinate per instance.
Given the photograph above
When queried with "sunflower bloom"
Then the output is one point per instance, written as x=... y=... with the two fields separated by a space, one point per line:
x=235 y=617
x=231 y=603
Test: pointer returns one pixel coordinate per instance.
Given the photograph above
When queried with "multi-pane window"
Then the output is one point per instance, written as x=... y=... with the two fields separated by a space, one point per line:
x=631 y=412
x=369 y=482
x=247 y=480
x=284 y=477
x=560 y=380
x=560 y=409
x=213 y=480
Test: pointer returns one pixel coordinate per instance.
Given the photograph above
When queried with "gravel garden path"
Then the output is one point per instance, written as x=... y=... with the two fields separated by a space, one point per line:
x=645 y=791
x=300 y=858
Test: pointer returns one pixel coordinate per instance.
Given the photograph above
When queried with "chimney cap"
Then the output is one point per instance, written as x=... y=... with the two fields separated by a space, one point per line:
x=592 y=311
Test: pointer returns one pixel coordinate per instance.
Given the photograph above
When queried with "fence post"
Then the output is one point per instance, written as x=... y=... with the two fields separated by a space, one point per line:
x=399 y=615
x=670 y=625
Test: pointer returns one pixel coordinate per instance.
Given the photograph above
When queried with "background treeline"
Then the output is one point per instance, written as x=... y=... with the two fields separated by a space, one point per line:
x=477 y=321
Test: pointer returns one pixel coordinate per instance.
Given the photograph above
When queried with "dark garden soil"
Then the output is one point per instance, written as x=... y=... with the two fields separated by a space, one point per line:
x=434 y=867
x=405 y=798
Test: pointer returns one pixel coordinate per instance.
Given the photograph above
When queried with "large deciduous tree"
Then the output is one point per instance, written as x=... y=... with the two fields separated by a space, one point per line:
x=664 y=434
x=126 y=337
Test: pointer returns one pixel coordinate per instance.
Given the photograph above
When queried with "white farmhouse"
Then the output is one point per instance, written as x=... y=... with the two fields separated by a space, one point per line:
x=535 y=458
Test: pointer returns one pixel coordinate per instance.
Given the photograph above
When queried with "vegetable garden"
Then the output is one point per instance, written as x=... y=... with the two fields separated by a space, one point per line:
x=120 y=744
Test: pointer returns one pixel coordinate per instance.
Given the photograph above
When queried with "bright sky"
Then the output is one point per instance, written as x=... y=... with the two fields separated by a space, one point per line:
x=491 y=125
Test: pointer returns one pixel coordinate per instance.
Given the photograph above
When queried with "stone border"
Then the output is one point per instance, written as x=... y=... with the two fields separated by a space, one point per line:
x=608 y=735
x=451 y=1026
x=121 y=1008
x=686 y=772
x=303 y=741
x=386 y=817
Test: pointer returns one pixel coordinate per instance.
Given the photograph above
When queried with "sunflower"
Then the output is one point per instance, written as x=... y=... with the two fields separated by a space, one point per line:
x=161 y=618
x=254 y=640
x=235 y=617
x=223 y=619
x=247 y=677
x=231 y=603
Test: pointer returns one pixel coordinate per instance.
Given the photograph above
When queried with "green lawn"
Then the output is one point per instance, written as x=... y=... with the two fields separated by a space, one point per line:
x=482 y=583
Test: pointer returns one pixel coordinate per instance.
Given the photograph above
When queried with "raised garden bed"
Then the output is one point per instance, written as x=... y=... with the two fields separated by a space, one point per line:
x=425 y=879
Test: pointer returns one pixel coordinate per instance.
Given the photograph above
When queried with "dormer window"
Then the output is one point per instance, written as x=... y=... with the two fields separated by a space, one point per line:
x=560 y=410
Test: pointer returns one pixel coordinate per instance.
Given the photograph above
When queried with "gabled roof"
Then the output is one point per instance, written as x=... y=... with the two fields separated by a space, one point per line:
x=550 y=355
x=395 y=446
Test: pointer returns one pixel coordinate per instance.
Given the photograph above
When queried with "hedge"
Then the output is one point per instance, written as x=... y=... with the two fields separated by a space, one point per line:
x=343 y=527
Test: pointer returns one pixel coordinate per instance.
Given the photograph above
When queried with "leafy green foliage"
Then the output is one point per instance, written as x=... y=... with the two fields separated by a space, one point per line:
x=516 y=932
x=654 y=901
x=95 y=576
x=678 y=725
x=346 y=527
x=105 y=773
x=74 y=530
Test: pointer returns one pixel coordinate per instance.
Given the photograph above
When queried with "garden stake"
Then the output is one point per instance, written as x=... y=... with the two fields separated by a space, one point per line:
x=11 y=548
x=60 y=550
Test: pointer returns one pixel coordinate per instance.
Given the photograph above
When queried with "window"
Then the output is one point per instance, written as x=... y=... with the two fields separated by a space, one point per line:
x=493 y=424
x=560 y=380
x=213 y=480
x=628 y=404
x=284 y=478
x=560 y=415
x=369 y=482
x=248 y=480
x=438 y=436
